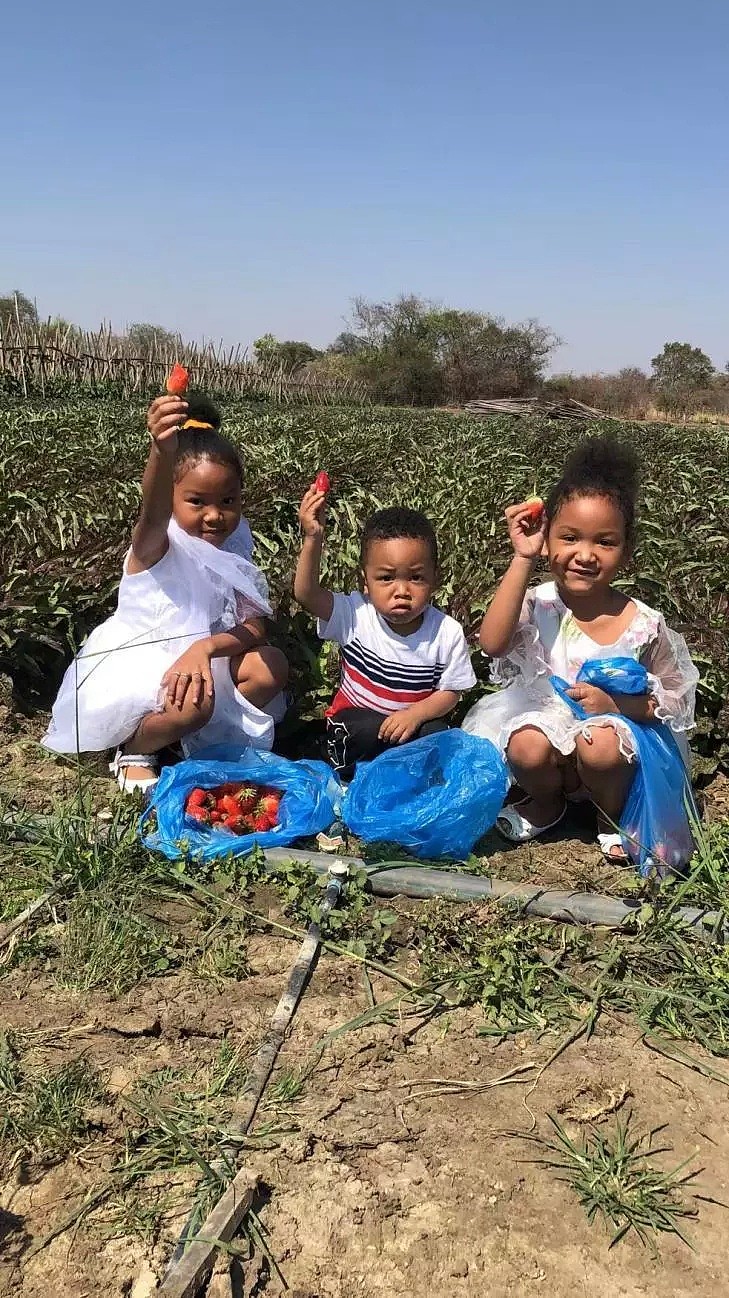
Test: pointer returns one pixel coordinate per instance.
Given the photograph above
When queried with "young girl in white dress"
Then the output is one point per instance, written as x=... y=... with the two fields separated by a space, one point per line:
x=184 y=658
x=532 y=632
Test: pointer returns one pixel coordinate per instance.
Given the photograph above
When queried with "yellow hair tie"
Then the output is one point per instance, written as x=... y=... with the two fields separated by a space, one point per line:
x=195 y=423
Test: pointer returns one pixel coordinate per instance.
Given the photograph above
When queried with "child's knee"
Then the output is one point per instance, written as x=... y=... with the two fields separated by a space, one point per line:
x=530 y=750
x=601 y=750
x=263 y=668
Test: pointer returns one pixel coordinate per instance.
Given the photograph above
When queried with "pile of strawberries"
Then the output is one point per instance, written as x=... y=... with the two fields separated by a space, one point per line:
x=240 y=808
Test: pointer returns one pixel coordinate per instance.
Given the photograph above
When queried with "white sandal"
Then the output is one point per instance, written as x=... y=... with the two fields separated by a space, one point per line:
x=608 y=841
x=141 y=784
x=515 y=828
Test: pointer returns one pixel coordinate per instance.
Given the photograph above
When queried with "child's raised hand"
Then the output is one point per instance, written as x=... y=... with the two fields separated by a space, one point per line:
x=164 y=418
x=527 y=533
x=312 y=511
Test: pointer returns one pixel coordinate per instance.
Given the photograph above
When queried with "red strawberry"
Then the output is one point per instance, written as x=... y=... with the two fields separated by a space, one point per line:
x=197 y=798
x=215 y=817
x=246 y=797
x=199 y=813
x=322 y=482
x=261 y=823
x=268 y=806
x=177 y=381
x=536 y=508
x=229 y=805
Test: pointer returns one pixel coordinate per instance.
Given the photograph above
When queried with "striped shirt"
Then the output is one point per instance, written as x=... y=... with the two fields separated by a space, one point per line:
x=386 y=671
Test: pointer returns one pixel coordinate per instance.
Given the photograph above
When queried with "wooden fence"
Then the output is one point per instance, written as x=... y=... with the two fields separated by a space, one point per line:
x=40 y=359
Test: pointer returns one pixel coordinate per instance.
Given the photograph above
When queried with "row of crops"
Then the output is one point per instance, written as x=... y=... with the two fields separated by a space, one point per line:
x=69 y=476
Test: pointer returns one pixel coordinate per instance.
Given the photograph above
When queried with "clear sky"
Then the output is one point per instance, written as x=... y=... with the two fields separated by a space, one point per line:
x=227 y=168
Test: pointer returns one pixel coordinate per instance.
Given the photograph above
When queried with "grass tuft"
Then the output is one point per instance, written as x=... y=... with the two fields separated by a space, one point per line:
x=44 y=1116
x=613 y=1179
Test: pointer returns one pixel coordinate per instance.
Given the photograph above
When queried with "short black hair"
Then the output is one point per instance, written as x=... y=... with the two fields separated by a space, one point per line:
x=600 y=466
x=395 y=522
x=196 y=444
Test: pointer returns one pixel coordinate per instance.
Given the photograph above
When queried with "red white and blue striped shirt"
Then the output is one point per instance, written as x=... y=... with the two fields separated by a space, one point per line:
x=386 y=671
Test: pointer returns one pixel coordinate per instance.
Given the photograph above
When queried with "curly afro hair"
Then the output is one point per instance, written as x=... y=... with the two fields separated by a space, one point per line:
x=600 y=466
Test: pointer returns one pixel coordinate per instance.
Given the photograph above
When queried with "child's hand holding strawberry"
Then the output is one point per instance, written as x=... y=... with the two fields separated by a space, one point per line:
x=164 y=419
x=312 y=511
x=527 y=529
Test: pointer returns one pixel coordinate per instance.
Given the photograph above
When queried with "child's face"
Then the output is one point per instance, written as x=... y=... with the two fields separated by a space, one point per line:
x=399 y=580
x=206 y=501
x=587 y=544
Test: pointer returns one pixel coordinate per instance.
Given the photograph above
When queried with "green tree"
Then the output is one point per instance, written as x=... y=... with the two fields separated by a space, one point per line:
x=145 y=340
x=16 y=305
x=289 y=355
x=681 y=372
x=413 y=352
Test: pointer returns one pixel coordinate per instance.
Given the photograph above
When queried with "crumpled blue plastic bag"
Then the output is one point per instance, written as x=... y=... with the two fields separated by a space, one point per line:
x=655 y=823
x=309 y=788
x=435 y=796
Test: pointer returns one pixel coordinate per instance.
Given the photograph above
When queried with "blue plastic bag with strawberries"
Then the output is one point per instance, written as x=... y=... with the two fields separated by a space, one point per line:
x=655 y=824
x=435 y=796
x=307 y=806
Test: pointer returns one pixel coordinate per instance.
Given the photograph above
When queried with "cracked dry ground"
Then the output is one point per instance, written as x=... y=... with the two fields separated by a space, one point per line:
x=382 y=1183
x=377 y=1190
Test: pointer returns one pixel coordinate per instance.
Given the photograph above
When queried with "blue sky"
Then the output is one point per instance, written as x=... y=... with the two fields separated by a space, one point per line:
x=225 y=168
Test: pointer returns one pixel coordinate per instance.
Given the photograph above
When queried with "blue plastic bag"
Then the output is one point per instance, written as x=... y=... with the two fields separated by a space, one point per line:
x=436 y=796
x=309 y=788
x=655 y=823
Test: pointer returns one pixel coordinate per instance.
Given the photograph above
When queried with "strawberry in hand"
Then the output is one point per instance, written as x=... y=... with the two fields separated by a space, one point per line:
x=177 y=381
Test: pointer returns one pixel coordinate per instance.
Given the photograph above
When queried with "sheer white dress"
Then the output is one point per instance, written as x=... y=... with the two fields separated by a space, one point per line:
x=196 y=589
x=547 y=641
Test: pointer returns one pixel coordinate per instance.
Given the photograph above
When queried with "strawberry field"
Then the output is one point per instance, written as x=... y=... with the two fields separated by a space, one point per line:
x=470 y=1099
x=69 y=491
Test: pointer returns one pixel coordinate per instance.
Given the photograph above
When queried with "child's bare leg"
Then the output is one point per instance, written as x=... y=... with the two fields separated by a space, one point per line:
x=260 y=674
x=606 y=774
x=160 y=729
x=539 y=770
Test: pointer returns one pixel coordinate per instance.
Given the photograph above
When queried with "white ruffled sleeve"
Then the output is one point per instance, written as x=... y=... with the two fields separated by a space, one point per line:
x=673 y=678
x=524 y=659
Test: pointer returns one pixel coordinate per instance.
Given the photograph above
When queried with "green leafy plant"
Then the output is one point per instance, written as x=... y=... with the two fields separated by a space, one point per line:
x=614 y=1180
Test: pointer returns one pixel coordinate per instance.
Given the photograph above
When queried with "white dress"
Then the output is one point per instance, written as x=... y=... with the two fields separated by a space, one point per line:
x=547 y=641
x=195 y=590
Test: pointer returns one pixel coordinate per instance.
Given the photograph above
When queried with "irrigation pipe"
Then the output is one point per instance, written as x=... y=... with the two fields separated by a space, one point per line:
x=402 y=878
x=191 y=1261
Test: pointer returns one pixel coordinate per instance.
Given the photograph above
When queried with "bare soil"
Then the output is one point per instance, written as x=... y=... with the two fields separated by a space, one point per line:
x=385 y=1183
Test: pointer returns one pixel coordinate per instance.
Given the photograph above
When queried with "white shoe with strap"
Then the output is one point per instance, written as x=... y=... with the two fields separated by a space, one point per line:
x=607 y=843
x=515 y=828
x=134 y=783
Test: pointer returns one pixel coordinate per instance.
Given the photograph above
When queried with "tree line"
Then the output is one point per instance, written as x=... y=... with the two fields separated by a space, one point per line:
x=414 y=352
